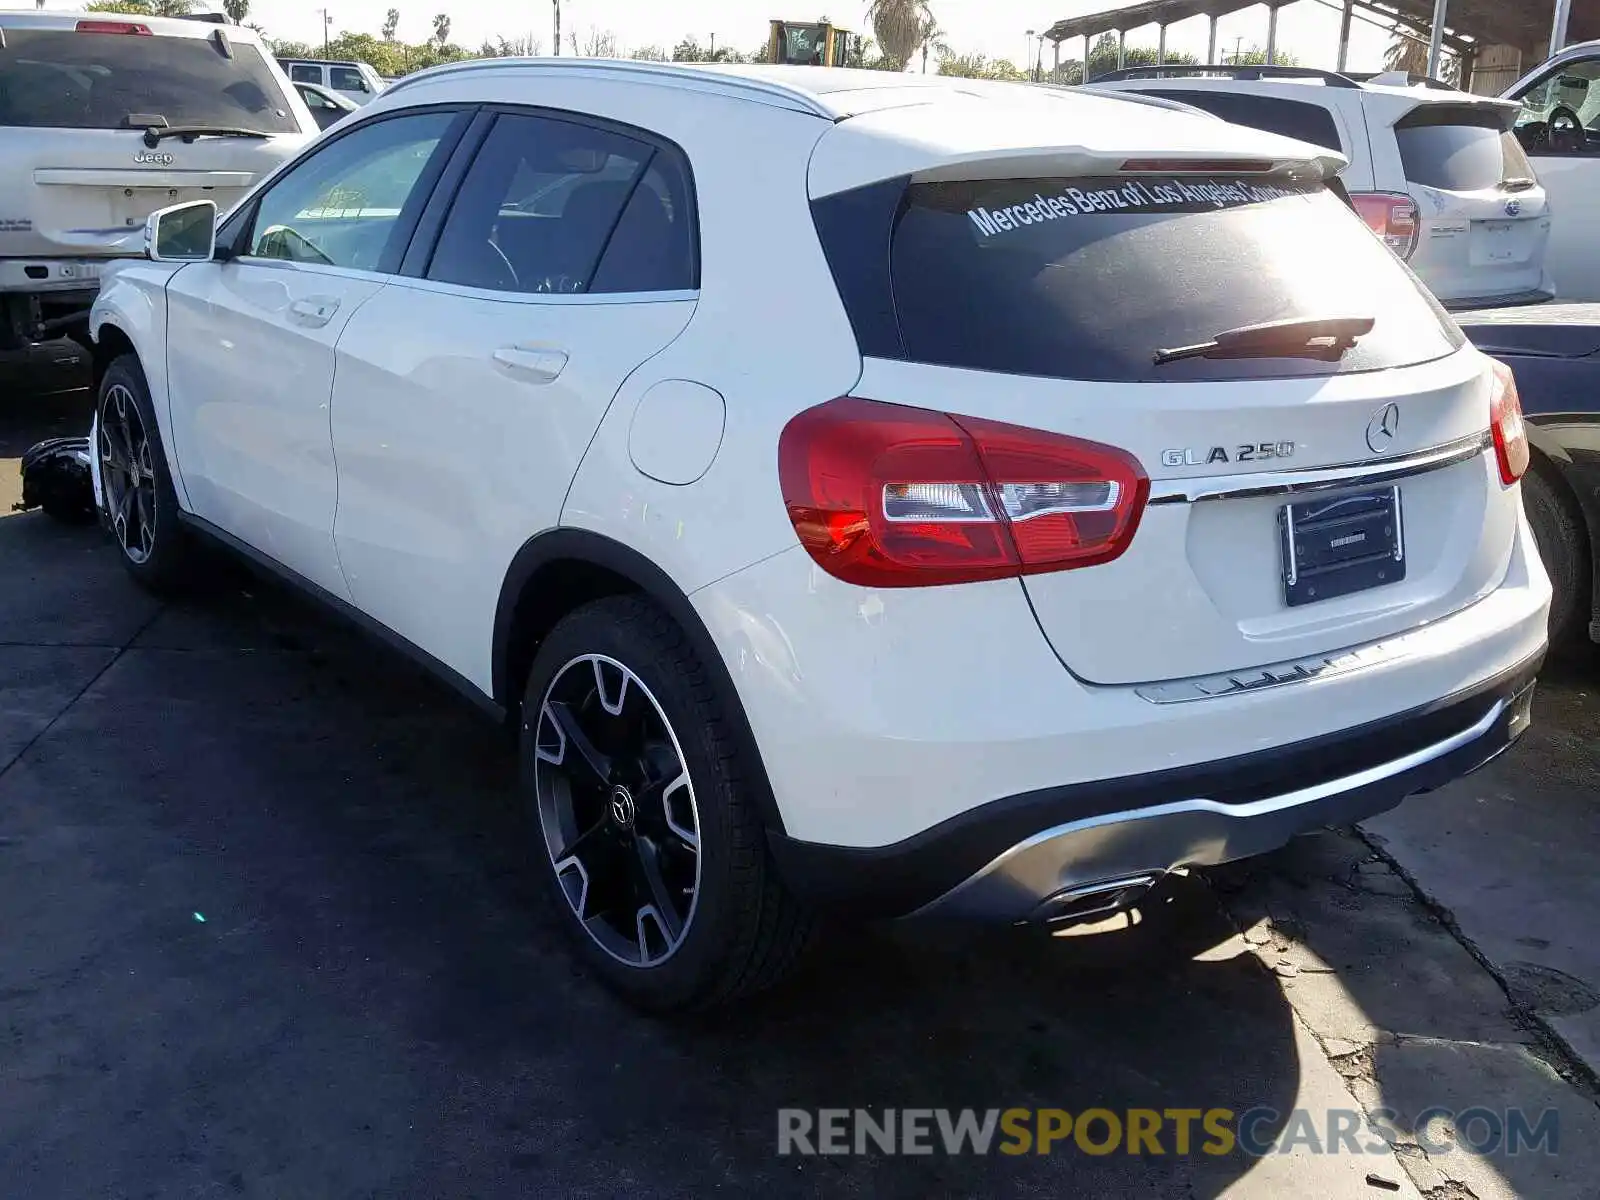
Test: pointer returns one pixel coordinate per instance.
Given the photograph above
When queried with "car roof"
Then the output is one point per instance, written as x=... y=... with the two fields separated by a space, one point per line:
x=158 y=26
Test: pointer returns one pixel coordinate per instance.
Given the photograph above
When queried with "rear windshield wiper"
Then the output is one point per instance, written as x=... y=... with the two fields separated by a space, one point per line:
x=1520 y=183
x=1306 y=337
x=153 y=135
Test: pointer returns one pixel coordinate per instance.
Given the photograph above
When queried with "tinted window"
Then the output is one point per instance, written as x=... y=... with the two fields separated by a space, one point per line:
x=1459 y=149
x=62 y=79
x=346 y=79
x=1291 y=118
x=543 y=197
x=301 y=73
x=653 y=247
x=343 y=205
x=1087 y=278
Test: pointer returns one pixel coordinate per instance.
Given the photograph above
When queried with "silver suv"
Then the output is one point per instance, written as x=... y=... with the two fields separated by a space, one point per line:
x=1436 y=172
x=105 y=118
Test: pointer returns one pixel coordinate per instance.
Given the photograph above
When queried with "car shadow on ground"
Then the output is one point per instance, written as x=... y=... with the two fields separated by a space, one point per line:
x=272 y=927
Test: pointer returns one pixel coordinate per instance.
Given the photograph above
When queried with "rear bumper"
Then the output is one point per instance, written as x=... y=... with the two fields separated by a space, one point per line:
x=1030 y=856
x=1515 y=300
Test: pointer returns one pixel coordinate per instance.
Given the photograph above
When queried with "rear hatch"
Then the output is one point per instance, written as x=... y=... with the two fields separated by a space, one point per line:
x=1042 y=299
x=1483 y=220
x=76 y=101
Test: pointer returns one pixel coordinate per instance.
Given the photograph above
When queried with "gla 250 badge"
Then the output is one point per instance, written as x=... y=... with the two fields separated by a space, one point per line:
x=1249 y=452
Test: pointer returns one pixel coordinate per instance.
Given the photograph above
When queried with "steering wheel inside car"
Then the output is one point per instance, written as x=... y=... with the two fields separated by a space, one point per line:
x=1565 y=131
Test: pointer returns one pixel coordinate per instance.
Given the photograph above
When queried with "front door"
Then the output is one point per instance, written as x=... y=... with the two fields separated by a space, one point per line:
x=251 y=340
x=1559 y=126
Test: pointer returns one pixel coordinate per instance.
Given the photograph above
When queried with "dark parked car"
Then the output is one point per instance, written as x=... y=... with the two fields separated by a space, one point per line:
x=1554 y=349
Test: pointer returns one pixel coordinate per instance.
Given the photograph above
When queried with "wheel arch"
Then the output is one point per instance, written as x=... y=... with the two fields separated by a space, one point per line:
x=1552 y=467
x=555 y=572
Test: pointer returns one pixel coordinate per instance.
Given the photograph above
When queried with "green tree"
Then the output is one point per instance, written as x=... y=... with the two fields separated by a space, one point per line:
x=527 y=46
x=900 y=26
x=441 y=29
x=391 y=23
x=649 y=54
x=237 y=10
x=977 y=66
x=690 y=50
x=145 y=8
x=1103 y=57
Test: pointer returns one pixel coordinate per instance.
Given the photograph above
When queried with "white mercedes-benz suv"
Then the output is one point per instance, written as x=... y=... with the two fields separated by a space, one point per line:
x=889 y=495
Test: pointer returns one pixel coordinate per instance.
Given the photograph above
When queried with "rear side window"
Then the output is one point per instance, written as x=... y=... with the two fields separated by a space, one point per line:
x=301 y=73
x=1459 y=149
x=562 y=207
x=1291 y=118
x=1086 y=278
x=64 y=79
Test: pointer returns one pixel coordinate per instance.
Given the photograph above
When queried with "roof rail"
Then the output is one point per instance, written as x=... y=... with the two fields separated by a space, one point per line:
x=1402 y=79
x=1251 y=71
x=761 y=90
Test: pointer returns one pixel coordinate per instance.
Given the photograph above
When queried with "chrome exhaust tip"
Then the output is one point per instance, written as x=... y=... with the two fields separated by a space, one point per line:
x=1093 y=901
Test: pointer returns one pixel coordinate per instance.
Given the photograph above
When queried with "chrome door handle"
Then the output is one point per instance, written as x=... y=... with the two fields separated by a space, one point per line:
x=540 y=366
x=316 y=310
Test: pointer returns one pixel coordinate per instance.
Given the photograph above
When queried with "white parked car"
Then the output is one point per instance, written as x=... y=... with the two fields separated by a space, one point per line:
x=884 y=493
x=357 y=82
x=1435 y=172
x=105 y=118
x=1559 y=126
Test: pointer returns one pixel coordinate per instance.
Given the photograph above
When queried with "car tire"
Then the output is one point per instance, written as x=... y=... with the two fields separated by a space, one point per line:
x=1563 y=543
x=140 y=505
x=629 y=760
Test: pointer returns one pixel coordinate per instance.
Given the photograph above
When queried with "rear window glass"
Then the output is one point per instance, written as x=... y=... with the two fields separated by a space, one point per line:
x=1291 y=118
x=63 y=79
x=1459 y=150
x=1086 y=278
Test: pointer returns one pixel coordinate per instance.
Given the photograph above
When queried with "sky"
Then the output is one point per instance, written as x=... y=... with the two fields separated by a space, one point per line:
x=996 y=28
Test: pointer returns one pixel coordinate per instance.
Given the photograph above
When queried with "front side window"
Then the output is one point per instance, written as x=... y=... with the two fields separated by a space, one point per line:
x=1561 y=113
x=67 y=79
x=346 y=79
x=342 y=207
x=544 y=200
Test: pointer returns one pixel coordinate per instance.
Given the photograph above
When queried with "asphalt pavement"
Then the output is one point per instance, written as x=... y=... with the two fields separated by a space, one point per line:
x=269 y=931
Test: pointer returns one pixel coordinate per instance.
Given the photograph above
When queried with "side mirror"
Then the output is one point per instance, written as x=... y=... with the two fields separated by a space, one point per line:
x=182 y=233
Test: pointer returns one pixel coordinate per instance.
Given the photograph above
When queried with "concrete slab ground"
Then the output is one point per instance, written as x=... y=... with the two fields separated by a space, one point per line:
x=269 y=930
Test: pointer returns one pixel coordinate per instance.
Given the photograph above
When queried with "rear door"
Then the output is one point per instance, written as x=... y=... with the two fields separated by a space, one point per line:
x=1559 y=127
x=250 y=341
x=1043 y=302
x=467 y=393
x=1483 y=219
x=75 y=102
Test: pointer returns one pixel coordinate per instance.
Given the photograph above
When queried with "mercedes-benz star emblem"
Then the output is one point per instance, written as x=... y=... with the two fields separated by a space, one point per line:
x=1383 y=428
x=622 y=811
x=1513 y=207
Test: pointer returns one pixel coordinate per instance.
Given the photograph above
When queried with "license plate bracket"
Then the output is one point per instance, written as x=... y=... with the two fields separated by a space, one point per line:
x=1337 y=545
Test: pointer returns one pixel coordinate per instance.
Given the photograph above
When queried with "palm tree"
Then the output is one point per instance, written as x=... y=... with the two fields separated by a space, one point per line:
x=933 y=38
x=900 y=27
x=237 y=10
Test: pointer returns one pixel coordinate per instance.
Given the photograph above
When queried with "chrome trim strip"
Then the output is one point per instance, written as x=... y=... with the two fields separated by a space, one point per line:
x=1011 y=874
x=1317 y=479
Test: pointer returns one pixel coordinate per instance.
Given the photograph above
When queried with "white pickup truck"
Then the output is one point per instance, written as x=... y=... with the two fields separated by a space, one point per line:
x=1559 y=127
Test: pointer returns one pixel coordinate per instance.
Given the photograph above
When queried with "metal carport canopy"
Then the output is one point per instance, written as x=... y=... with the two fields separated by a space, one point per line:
x=1152 y=12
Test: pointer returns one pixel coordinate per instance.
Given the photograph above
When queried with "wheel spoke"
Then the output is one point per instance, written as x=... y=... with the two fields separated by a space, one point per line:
x=647 y=867
x=585 y=841
x=574 y=738
x=614 y=707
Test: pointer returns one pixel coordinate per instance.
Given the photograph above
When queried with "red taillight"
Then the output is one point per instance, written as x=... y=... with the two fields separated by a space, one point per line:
x=1390 y=215
x=1505 y=422
x=887 y=496
x=112 y=27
